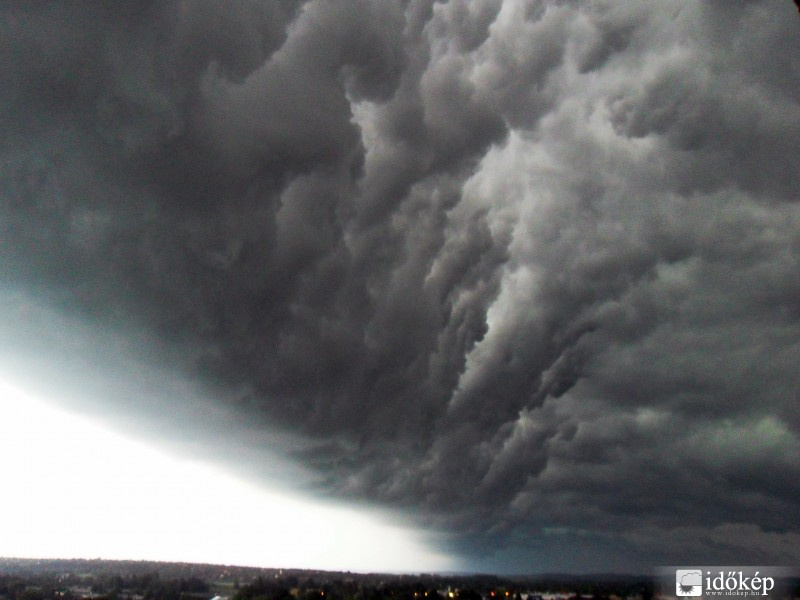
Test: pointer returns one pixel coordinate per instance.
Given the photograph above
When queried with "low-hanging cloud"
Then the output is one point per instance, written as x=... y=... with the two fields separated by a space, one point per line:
x=525 y=271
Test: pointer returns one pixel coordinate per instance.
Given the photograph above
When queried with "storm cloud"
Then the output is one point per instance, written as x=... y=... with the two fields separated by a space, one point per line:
x=526 y=272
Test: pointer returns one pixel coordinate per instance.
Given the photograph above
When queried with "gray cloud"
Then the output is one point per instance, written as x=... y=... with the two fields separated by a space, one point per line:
x=523 y=270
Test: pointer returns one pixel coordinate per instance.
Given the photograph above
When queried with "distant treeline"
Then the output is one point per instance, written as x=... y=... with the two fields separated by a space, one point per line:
x=70 y=586
x=121 y=580
x=431 y=588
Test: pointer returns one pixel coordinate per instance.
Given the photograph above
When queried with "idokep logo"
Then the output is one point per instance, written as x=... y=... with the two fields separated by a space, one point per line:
x=747 y=582
x=689 y=582
x=736 y=583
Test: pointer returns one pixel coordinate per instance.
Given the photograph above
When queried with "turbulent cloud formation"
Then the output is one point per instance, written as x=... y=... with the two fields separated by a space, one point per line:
x=525 y=271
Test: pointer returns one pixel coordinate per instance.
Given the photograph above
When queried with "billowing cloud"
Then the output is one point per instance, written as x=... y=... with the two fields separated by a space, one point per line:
x=525 y=271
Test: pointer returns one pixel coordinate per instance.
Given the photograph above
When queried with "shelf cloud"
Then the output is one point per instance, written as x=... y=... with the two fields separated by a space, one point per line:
x=525 y=272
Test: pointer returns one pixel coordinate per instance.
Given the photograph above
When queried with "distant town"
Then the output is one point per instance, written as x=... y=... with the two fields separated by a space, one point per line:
x=25 y=579
x=77 y=579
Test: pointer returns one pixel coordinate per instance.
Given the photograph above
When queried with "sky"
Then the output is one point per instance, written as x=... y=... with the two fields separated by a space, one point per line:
x=80 y=489
x=497 y=286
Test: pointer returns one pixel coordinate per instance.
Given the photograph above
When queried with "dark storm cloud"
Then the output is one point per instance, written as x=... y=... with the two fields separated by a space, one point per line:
x=525 y=271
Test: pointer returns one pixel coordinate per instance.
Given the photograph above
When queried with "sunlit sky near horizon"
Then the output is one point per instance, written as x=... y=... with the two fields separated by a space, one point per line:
x=76 y=489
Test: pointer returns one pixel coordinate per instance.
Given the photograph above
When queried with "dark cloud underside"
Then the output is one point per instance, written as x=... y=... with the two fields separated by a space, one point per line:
x=526 y=271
